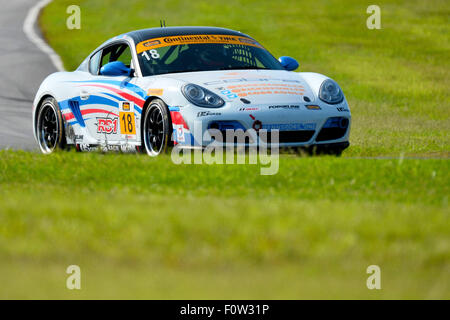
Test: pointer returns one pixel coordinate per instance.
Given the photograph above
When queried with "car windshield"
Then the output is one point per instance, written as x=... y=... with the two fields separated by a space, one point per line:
x=202 y=53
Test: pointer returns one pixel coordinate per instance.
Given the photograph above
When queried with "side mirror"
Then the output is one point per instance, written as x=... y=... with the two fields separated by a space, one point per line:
x=290 y=64
x=116 y=68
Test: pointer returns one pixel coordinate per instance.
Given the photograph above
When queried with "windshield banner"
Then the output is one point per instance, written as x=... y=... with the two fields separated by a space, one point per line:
x=194 y=39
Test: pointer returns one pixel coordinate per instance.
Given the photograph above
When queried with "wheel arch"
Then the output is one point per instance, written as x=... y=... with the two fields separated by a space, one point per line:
x=147 y=103
x=36 y=110
x=61 y=140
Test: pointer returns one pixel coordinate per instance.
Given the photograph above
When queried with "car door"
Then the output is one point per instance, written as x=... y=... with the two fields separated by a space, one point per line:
x=103 y=99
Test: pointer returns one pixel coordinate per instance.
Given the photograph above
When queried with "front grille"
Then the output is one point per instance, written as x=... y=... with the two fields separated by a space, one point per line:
x=334 y=128
x=283 y=137
x=331 y=134
x=290 y=136
x=234 y=139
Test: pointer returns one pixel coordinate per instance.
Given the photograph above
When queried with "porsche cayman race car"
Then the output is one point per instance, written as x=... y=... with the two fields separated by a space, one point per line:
x=151 y=89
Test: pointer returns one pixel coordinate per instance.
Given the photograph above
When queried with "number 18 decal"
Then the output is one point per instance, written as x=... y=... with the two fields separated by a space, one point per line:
x=127 y=123
x=153 y=54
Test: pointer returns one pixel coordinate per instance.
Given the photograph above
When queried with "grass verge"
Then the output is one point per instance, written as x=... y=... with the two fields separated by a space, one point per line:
x=145 y=228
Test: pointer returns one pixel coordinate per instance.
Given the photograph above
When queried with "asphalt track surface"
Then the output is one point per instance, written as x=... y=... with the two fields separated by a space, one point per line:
x=23 y=67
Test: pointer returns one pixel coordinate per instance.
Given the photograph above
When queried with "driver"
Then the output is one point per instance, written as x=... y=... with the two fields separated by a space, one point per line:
x=214 y=56
x=209 y=57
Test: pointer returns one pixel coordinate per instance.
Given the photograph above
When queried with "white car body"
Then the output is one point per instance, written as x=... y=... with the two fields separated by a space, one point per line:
x=272 y=99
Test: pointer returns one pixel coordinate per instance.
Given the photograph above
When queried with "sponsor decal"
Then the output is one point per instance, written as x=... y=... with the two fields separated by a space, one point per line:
x=207 y=113
x=151 y=43
x=313 y=107
x=177 y=119
x=174 y=108
x=258 y=89
x=229 y=94
x=229 y=75
x=285 y=106
x=87 y=147
x=248 y=89
x=248 y=41
x=126 y=106
x=272 y=86
x=245 y=80
x=248 y=109
x=179 y=128
x=155 y=92
x=110 y=148
x=290 y=126
x=107 y=125
x=105 y=148
x=127 y=123
x=194 y=39
x=341 y=109
x=127 y=148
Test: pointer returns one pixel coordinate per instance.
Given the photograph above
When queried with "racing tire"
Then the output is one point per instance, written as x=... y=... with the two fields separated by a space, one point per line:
x=156 y=129
x=50 y=127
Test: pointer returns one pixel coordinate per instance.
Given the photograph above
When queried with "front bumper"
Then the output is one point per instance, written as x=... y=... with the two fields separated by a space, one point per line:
x=297 y=126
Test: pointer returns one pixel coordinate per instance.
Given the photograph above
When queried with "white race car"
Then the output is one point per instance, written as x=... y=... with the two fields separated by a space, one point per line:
x=150 y=89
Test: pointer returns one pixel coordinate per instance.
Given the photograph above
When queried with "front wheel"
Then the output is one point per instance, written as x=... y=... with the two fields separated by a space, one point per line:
x=49 y=127
x=156 y=129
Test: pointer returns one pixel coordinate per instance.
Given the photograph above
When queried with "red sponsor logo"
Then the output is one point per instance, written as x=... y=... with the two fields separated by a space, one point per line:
x=151 y=43
x=107 y=126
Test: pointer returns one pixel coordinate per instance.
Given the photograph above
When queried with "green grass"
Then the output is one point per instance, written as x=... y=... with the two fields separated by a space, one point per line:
x=146 y=228
x=395 y=79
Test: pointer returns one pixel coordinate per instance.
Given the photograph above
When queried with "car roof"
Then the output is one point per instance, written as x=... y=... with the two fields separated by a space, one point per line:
x=145 y=34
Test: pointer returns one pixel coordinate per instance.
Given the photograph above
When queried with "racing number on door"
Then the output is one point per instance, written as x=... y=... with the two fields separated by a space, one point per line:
x=127 y=123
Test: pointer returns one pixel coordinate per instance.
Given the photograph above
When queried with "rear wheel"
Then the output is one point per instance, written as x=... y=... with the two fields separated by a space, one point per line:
x=49 y=127
x=156 y=128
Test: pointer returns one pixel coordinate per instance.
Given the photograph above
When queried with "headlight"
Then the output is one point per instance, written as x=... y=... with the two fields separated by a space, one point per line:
x=202 y=97
x=330 y=92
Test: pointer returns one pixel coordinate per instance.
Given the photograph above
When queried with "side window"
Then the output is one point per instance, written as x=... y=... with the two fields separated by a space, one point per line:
x=106 y=56
x=118 y=52
x=125 y=56
x=94 y=63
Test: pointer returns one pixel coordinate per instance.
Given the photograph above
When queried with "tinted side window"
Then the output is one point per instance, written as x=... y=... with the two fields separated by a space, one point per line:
x=106 y=56
x=118 y=52
x=125 y=56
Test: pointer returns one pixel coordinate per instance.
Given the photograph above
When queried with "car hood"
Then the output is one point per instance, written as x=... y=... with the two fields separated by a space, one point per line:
x=256 y=86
